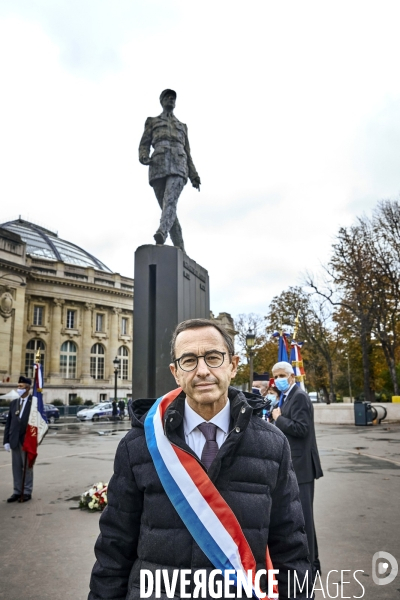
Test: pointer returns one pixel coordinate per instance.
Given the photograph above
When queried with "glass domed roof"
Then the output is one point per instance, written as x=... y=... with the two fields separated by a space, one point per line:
x=45 y=244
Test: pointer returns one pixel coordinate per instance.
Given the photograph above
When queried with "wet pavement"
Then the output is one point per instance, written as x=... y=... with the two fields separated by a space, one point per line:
x=47 y=544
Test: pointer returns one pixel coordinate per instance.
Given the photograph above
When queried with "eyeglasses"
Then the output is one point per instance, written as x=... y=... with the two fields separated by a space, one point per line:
x=213 y=359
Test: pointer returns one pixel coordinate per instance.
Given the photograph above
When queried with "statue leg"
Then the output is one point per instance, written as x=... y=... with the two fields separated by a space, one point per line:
x=168 y=223
x=158 y=186
x=176 y=235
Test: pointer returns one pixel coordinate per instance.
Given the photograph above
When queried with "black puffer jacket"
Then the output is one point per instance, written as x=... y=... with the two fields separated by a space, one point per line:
x=140 y=528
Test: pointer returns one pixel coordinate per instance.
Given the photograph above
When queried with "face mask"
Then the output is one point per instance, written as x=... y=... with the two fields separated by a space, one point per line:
x=21 y=392
x=282 y=384
x=271 y=397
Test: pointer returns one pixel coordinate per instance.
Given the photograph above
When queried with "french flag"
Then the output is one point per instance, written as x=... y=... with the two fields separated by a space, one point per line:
x=37 y=424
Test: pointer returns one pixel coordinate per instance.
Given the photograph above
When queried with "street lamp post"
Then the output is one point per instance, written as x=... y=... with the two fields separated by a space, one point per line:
x=116 y=363
x=250 y=341
x=349 y=377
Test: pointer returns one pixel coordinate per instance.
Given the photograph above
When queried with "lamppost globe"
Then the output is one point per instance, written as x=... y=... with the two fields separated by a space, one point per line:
x=250 y=339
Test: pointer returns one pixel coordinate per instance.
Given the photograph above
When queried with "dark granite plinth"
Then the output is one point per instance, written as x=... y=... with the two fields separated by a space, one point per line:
x=169 y=288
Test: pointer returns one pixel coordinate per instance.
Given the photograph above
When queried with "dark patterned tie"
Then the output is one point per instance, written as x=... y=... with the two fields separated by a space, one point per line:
x=210 y=450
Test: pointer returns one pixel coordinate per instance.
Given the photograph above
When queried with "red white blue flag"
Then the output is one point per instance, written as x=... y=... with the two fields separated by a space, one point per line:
x=283 y=348
x=207 y=516
x=37 y=425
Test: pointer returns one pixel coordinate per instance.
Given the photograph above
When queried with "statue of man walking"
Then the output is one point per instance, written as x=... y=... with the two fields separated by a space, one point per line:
x=170 y=165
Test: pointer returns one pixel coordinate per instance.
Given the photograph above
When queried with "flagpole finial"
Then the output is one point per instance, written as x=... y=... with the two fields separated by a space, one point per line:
x=38 y=356
x=296 y=325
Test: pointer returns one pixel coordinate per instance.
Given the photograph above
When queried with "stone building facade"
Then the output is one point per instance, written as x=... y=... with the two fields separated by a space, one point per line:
x=72 y=308
x=57 y=298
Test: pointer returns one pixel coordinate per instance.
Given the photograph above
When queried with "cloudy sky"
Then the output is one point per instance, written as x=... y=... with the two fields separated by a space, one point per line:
x=293 y=111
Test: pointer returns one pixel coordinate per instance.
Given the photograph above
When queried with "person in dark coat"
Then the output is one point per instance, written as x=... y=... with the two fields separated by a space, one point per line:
x=295 y=418
x=121 y=406
x=14 y=435
x=248 y=462
x=114 y=410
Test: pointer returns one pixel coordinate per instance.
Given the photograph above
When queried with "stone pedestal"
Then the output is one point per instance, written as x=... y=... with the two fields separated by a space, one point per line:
x=169 y=288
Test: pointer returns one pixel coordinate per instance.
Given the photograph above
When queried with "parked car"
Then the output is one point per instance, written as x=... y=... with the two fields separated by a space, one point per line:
x=4 y=415
x=315 y=397
x=52 y=413
x=95 y=413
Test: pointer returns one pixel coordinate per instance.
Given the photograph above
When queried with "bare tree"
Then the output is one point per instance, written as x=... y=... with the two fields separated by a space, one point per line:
x=363 y=278
x=243 y=323
x=316 y=327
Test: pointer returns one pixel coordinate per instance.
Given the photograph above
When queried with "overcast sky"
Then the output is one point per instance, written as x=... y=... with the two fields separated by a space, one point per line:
x=293 y=114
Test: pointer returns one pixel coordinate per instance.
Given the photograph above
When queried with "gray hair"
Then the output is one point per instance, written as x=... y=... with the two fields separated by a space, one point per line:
x=287 y=367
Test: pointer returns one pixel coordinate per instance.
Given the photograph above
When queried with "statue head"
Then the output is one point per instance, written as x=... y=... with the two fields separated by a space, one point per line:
x=167 y=99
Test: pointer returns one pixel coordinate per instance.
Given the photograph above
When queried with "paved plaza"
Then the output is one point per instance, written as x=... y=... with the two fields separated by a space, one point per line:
x=47 y=544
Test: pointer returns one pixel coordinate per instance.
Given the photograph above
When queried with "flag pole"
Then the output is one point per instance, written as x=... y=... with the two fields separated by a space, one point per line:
x=296 y=325
x=26 y=454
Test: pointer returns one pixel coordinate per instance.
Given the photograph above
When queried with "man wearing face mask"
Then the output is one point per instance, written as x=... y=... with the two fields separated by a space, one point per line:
x=295 y=418
x=14 y=434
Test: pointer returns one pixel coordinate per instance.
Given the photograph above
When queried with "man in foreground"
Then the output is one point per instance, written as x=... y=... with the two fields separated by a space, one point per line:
x=295 y=418
x=199 y=481
x=14 y=435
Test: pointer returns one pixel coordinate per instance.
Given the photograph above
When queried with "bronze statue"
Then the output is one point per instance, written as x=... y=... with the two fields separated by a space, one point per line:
x=170 y=165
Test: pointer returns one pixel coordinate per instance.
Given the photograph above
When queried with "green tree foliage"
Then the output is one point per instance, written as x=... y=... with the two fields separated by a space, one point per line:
x=349 y=319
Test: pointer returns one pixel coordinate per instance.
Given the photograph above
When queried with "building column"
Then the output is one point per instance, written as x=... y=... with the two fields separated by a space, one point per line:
x=114 y=344
x=55 y=338
x=87 y=343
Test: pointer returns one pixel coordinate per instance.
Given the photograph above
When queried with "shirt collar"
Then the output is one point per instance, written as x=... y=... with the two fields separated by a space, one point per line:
x=286 y=394
x=192 y=419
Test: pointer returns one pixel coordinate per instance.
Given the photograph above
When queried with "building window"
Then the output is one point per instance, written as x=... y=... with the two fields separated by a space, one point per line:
x=97 y=361
x=71 y=397
x=68 y=360
x=124 y=326
x=30 y=356
x=38 y=315
x=123 y=368
x=99 y=322
x=103 y=397
x=71 y=319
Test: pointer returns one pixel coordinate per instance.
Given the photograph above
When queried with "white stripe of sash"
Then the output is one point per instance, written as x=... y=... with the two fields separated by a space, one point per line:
x=199 y=505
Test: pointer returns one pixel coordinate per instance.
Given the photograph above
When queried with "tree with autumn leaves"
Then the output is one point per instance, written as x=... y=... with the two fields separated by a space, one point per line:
x=349 y=316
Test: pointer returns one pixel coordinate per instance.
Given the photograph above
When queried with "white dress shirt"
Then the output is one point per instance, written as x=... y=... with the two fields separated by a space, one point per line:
x=193 y=436
x=286 y=394
x=21 y=410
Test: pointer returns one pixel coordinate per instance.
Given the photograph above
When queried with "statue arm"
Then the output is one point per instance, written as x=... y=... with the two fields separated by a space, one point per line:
x=193 y=174
x=145 y=142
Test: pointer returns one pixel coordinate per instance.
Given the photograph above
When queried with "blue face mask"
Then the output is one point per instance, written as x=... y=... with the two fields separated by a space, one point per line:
x=282 y=384
x=271 y=397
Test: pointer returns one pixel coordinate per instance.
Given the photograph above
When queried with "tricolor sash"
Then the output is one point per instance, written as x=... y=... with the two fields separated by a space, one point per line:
x=207 y=516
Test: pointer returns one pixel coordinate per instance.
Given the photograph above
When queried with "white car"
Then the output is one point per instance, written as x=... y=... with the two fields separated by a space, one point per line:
x=314 y=397
x=95 y=413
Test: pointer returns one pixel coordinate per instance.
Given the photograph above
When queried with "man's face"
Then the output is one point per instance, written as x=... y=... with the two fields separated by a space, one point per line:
x=281 y=373
x=24 y=386
x=168 y=101
x=204 y=385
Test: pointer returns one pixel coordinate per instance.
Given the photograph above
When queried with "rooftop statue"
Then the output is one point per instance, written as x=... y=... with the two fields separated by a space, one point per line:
x=170 y=165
